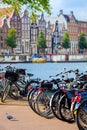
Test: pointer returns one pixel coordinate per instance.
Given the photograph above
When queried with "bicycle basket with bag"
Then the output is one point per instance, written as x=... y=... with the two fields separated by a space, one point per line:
x=13 y=76
x=21 y=71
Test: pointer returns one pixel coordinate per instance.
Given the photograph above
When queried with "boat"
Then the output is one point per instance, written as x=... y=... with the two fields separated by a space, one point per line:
x=38 y=60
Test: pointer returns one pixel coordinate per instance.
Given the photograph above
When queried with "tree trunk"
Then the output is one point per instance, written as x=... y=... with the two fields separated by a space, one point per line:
x=12 y=51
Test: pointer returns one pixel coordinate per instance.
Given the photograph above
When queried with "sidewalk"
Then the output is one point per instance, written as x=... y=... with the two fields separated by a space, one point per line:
x=26 y=119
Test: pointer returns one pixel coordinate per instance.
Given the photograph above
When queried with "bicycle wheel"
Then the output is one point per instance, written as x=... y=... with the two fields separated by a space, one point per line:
x=14 y=92
x=29 y=97
x=64 y=110
x=1 y=88
x=54 y=103
x=43 y=105
x=32 y=95
x=5 y=92
x=81 y=116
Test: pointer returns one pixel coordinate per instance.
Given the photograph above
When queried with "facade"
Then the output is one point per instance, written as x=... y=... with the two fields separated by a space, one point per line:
x=49 y=34
x=3 y=34
x=70 y=24
x=15 y=22
x=5 y=14
x=82 y=27
x=56 y=39
x=42 y=24
x=33 y=37
x=9 y=18
x=27 y=33
x=72 y=28
x=46 y=27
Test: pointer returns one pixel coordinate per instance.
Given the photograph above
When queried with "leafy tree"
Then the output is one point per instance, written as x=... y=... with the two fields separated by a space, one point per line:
x=66 y=41
x=41 y=41
x=33 y=5
x=11 y=39
x=82 y=42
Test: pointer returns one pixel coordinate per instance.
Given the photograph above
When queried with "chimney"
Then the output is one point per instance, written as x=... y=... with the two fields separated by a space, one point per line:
x=61 y=11
x=71 y=12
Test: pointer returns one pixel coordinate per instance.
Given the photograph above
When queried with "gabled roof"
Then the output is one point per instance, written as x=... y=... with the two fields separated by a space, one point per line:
x=67 y=18
x=42 y=20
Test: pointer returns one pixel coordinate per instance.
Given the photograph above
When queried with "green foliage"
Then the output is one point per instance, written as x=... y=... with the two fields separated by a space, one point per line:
x=82 y=41
x=33 y=5
x=10 y=40
x=41 y=41
x=66 y=41
x=34 y=17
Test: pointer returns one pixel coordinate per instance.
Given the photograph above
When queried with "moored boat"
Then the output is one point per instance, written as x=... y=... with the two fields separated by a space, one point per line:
x=38 y=60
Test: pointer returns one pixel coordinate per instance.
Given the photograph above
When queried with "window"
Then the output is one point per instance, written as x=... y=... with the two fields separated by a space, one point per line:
x=15 y=17
x=1 y=38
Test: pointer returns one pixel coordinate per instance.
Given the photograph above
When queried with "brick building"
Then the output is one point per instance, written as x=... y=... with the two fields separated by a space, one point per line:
x=27 y=32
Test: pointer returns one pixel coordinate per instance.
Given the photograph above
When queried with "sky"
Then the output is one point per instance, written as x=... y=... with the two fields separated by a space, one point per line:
x=79 y=8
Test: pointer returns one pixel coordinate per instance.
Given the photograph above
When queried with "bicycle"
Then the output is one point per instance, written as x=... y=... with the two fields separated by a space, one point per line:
x=81 y=116
x=16 y=87
x=61 y=100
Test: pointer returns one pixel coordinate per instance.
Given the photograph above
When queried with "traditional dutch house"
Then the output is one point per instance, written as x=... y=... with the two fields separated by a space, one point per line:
x=25 y=33
x=3 y=33
x=72 y=28
x=9 y=18
x=49 y=39
x=33 y=37
x=42 y=24
x=70 y=24
x=56 y=39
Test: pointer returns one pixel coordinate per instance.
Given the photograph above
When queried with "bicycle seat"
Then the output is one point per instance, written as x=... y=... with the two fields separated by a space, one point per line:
x=29 y=74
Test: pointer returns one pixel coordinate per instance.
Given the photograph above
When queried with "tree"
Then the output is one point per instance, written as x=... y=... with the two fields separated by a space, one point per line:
x=82 y=42
x=11 y=39
x=66 y=41
x=33 y=5
x=41 y=42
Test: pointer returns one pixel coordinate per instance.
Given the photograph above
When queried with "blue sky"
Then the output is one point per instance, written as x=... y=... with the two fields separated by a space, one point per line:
x=79 y=7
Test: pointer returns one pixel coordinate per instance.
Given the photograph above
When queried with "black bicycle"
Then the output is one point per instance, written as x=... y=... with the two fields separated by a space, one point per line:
x=81 y=116
x=15 y=87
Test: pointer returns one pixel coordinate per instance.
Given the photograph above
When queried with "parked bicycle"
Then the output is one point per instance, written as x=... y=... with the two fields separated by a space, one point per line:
x=61 y=100
x=81 y=116
x=15 y=87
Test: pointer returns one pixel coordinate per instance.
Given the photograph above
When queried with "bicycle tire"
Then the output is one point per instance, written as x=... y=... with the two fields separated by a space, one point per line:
x=5 y=92
x=14 y=92
x=43 y=105
x=81 y=116
x=18 y=91
x=54 y=103
x=32 y=101
x=64 y=111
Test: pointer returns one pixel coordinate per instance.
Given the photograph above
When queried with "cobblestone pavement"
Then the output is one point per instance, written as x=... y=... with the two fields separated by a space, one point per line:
x=26 y=119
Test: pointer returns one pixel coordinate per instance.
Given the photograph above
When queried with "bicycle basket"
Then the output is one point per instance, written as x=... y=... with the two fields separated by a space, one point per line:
x=13 y=76
x=21 y=71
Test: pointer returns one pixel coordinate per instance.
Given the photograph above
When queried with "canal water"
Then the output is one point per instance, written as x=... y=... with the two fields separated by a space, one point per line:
x=44 y=70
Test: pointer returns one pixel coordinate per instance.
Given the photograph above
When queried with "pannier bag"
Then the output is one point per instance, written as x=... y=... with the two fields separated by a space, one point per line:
x=47 y=85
